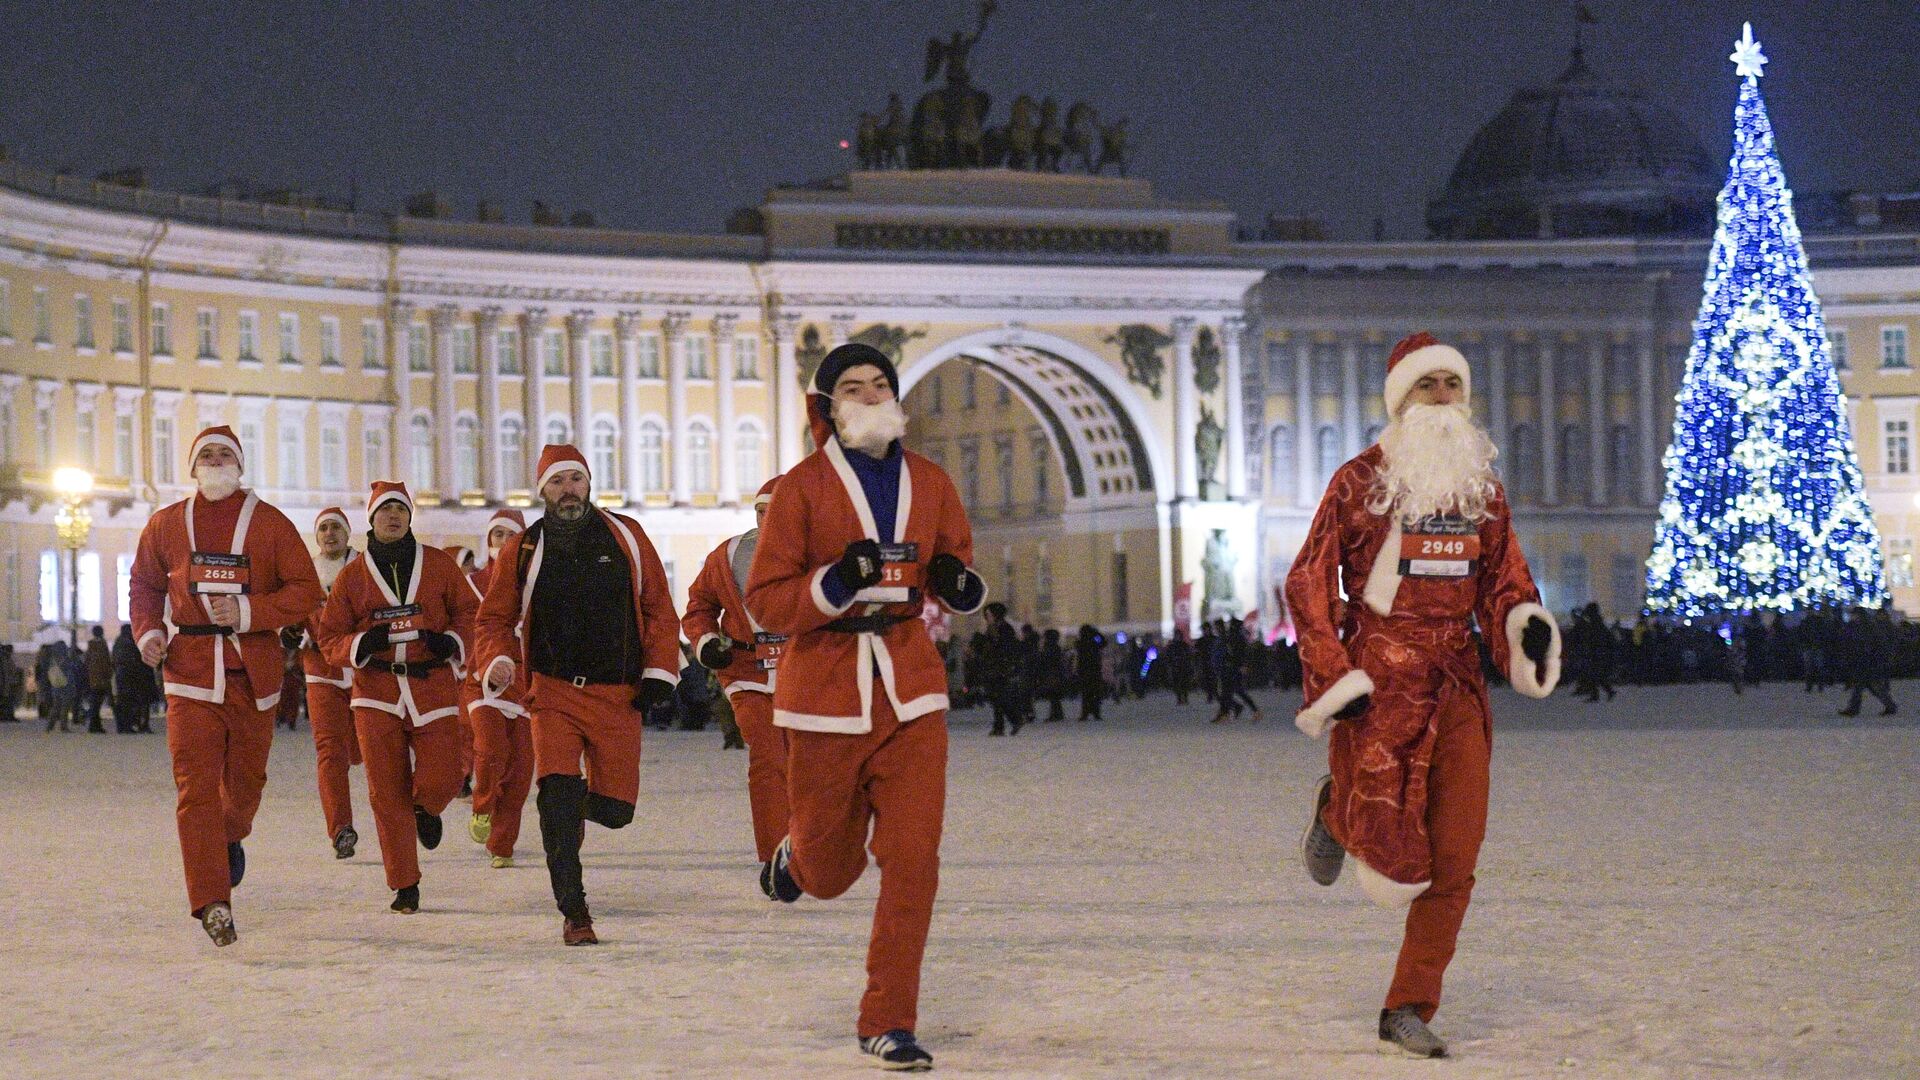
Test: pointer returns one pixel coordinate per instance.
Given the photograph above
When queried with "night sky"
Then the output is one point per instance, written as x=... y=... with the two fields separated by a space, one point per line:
x=669 y=114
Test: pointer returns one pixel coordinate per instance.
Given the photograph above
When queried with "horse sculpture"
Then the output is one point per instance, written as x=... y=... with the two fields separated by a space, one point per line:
x=1113 y=148
x=1052 y=138
x=1083 y=128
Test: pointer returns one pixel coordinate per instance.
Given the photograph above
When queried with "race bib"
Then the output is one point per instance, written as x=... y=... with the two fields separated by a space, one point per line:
x=900 y=576
x=403 y=622
x=1445 y=547
x=767 y=648
x=213 y=573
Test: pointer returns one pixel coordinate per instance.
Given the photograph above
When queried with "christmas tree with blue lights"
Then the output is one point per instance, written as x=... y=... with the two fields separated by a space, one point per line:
x=1764 y=507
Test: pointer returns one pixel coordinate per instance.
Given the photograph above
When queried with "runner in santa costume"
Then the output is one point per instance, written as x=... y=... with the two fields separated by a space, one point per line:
x=329 y=691
x=464 y=559
x=727 y=641
x=855 y=532
x=578 y=617
x=502 y=732
x=401 y=616
x=215 y=578
x=1417 y=532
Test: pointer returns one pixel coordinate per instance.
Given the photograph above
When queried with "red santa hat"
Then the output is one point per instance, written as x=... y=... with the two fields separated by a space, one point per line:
x=508 y=516
x=386 y=491
x=218 y=435
x=765 y=494
x=1417 y=356
x=460 y=553
x=332 y=512
x=557 y=458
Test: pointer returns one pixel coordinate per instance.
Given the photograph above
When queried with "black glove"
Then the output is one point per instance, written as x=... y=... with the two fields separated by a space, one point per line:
x=1534 y=639
x=290 y=637
x=652 y=693
x=859 y=565
x=1354 y=708
x=371 y=642
x=439 y=644
x=947 y=577
x=716 y=653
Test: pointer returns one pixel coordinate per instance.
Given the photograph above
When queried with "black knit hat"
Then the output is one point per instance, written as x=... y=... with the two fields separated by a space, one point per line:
x=852 y=355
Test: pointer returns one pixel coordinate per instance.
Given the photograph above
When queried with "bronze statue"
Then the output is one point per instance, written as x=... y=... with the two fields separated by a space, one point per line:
x=1216 y=568
x=1022 y=134
x=929 y=133
x=866 y=141
x=1052 y=138
x=955 y=50
x=1113 y=148
x=1083 y=127
x=1140 y=347
x=1208 y=438
x=967 y=138
x=1206 y=361
x=893 y=135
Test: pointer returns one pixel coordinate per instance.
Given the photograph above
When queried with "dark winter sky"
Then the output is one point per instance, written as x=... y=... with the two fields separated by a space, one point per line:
x=670 y=113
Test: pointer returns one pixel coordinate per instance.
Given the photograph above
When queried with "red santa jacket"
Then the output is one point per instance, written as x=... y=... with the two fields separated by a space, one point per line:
x=280 y=590
x=827 y=677
x=473 y=691
x=312 y=663
x=1350 y=547
x=716 y=605
x=447 y=605
x=508 y=606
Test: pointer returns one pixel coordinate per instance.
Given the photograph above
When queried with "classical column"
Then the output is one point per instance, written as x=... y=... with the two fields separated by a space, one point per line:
x=1186 y=410
x=1496 y=390
x=787 y=391
x=579 y=322
x=399 y=334
x=1231 y=331
x=1597 y=424
x=443 y=407
x=533 y=355
x=486 y=324
x=671 y=330
x=1549 y=422
x=1350 y=397
x=1643 y=377
x=1306 y=440
x=626 y=327
x=723 y=325
x=841 y=328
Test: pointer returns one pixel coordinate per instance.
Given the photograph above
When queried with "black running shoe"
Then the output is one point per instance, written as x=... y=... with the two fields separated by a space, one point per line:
x=217 y=920
x=343 y=842
x=775 y=881
x=407 y=900
x=1402 y=1031
x=897 y=1052
x=1318 y=849
x=428 y=826
x=236 y=864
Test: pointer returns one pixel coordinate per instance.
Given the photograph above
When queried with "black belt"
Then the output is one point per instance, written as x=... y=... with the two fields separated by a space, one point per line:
x=876 y=623
x=203 y=630
x=415 y=667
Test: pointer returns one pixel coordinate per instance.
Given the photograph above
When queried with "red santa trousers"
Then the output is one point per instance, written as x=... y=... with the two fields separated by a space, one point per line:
x=407 y=766
x=596 y=722
x=766 y=768
x=335 y=750
x=220 y=768
x=502 y=768
x=892 y=780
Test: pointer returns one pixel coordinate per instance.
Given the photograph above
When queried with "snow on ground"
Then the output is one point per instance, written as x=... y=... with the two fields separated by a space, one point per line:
x=1678 y=883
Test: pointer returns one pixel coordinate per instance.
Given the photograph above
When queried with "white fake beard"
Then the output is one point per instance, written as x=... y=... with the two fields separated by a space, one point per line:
x=1437 y=461
x=870 y=429
x=217 y=481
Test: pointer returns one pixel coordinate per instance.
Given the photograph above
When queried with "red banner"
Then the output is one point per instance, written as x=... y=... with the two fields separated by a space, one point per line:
x=1183 y=606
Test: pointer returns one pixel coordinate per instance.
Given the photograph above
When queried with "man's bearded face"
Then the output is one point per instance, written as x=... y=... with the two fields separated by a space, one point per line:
x=869 y=428
x=566 y=495
x=217 y=471
x=1437 y=461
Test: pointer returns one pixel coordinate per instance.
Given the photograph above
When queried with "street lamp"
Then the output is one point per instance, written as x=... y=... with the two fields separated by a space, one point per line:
x=73 y=523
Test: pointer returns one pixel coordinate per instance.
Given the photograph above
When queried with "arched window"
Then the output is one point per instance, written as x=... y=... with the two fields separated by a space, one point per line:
x=420 y=452
x=559 y=430
x=466 y=455
x=1623 y=464
x=605 y=455
x=1280 y=466
x=749 y=457
x=700 y=456
x=653 y=458
x=1574 y=474
x=513 y=452
x=1523 y=471
x=1328 y=450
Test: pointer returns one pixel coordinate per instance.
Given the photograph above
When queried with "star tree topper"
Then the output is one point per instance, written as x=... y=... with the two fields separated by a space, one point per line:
x=1747 y=58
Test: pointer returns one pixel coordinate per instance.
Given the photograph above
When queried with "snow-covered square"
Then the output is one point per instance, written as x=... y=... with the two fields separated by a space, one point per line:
x=1678 y=883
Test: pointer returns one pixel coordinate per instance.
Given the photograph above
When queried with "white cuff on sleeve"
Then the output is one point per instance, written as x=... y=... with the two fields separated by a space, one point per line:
x=1520 y=669
x=1317 y=718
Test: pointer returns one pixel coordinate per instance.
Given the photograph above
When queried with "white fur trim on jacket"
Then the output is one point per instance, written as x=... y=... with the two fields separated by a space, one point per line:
x=671 y=678
x=1316 y=718
x=820 y=594
x=487 y=678
x=1385 y=891
x=1383 y=581
x=1520 y=670
x=1420 y=363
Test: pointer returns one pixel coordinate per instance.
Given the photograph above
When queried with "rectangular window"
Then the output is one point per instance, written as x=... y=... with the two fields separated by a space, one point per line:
x=506 y=345
x=1575 y=587
x=935 y=396
x=252 y=446
x=699 y=365
x=373 y=345
x=162 y=330
x=89 y=588
x=293 y=454
x=600 y=349
x=373 y=452
x=1837 y=347
x=1900 y=562
x=649 y=356
x=289 y=338
x=553 y=347
x=418 y=358
x=83 y=321
x=1629 y=577
x=1893 y=346
x=463 y=347
x=1002 y=396
x=86 y=439
x=42 y=317
x=970 y=472
x=1041 y=453
x=206 y=334
x=249 y=337
x=746 y=357
x=969 y=389
x=43 y=433
x=1120 y=586
x=1003 y=466
x=1043 y=587
x=163 y=471
x=122 y=326
x=122 y=587
x=329 y=341
x=123 y=445
x=6 y=308
x=49 y=586
x=12 y=563
x=333 y=457
x=1898 y=437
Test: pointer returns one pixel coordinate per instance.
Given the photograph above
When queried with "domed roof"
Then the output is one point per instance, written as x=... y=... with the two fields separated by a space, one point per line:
x=1577 y=157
